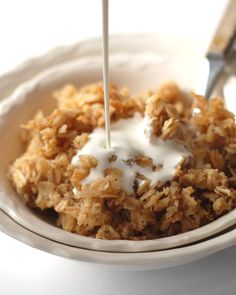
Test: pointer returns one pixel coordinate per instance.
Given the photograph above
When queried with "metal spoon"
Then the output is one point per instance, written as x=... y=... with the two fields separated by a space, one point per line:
x=222 y=47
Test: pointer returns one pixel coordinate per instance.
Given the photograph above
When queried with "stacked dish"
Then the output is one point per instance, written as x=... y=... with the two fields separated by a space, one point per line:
x=148 y=59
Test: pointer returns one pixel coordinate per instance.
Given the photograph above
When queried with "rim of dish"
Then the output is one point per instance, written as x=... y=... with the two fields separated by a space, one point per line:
x=86 y=47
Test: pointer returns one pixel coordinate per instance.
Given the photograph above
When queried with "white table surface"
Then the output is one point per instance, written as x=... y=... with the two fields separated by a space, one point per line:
x=29 y=28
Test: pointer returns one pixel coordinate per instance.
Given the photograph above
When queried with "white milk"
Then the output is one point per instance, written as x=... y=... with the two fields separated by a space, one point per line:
x=128 y=139
x=105 y=54
x=131 y=138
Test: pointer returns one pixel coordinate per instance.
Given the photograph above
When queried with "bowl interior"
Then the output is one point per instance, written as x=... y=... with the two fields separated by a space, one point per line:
x=138 y=72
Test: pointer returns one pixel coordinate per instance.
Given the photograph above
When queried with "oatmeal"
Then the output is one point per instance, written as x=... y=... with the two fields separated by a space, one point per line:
x=124 y=195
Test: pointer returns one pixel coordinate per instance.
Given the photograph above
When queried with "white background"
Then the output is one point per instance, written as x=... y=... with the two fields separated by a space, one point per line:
x=29 y=28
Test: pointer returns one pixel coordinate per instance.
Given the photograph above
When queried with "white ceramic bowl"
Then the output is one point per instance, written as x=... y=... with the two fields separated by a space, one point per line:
x=146 y=64
x=125 y=69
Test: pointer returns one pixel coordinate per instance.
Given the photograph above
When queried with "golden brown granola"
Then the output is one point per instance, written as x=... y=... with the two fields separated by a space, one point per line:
x=202 y=190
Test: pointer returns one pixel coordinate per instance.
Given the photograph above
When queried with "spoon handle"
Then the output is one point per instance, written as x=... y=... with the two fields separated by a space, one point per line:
x=225 y=33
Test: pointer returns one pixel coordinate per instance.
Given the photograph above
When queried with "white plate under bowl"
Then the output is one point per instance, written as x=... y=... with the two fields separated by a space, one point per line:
x=119 y=261
x=139 y=72
x=136 y=43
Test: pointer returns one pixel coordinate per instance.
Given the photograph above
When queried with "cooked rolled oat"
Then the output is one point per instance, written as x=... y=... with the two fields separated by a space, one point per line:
x=202 y=189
